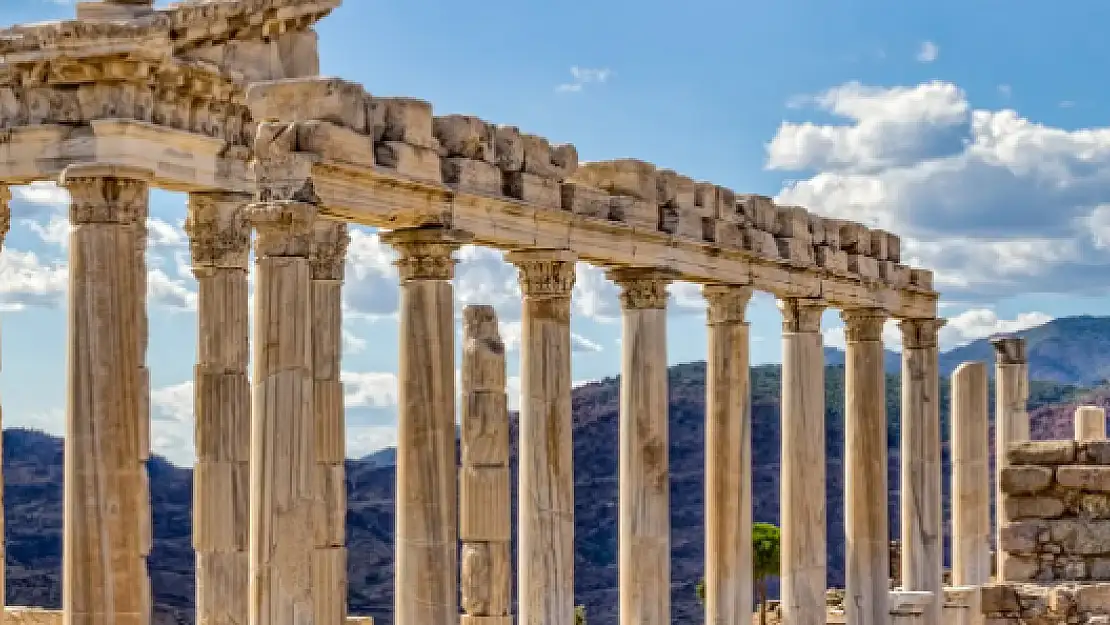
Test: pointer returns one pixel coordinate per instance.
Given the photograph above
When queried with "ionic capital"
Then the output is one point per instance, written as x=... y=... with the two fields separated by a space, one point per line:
x=284 y=228
x=544 y=274
x=726 y=303
x=425 y=253
x=801 y=315
x=219 y=233
x=1009 y=350
x=642 y=288
x=107 y=194
x=920 y=333
x=5 y=212
x=329 y=250
x=863 y=324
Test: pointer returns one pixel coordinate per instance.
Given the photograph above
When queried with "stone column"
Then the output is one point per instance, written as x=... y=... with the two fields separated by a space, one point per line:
x=219 y=238
x=1090 y=424
x=485 y=514
x=644 y=543
x=971 y=481
x=728 y=459
x=1011 y=394
x=867 y=531
x=5 y=226
x=107 y=504
x=283 y=435
x=329 y=570
x=545 y=575
x=804 y=536
x=922 y=529
x=426 y=538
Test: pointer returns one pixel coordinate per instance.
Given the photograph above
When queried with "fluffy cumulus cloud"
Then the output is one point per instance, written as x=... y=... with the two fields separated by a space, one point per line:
x=994 y=202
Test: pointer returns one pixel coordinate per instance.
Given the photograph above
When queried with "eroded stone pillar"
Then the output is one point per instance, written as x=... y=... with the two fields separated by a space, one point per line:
x=867 y=528
x=644 y=543
x=728 y=459
x=545 y=543
x=804 y=535
x=107 y=503
x=5 y=226
x=922 y=536
x=283 y=434
x=329 y=570
x=971 y=481
x=485 y=514
x=219 y=238
x=1011 y=396
x=1090 y=423
x=426 y=538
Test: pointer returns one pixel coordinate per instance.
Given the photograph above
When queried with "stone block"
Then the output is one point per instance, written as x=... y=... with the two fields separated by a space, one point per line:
x=863 y=266
x=627 y=176
x=1083 y=477
x=299 y=99
x=793 y=222
x=1041 y=452
x=1020 y=569
x=691 y=225
x=410 y=160
x=714 y=201
x=817 y=229
x=464 y=137
x=532 y=189
x=1081 y=536
x=1019 y=508
x=798 y=251
x=545 y=161
x=728 y=234
x=675 y=190
x=832 y=233
x=1097 y=452
x=759 y=211
x=508 y=148
x=1093 y=598
x=403 y=120
x=922 y=279
x=1021 y=536
x=1100 y=569
x=895 y=275
x=634 y=212
x=999 y=598
x=336 y=143
x=880 y=240
x=893 y=248
x=472 y=176
x=1091 y=505
x=761 y=242
x=668 y=219
x=1025 y=480
x=585 y=200
x=831 y=259
x=855 y=238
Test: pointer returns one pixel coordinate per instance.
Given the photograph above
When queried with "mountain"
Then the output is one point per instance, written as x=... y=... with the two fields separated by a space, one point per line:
x=33 y=491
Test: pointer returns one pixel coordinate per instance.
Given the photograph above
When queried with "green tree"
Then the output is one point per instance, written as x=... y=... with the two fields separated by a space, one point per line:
x=579 y=615
x=766 y=541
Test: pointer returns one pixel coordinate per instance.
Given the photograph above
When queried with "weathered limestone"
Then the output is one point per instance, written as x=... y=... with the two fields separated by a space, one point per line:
x=329 y=568
x=644 y=543
x=546 y=494
x=485 y=514
x=283 y=437
x=971 y=480
x=804 y=542
x=867 y=535
x=426 y=562
x=1011 y=394
x=1090 y=423
x=219 y=239
x=107 y=503
x=728 y=459
x=5 y=226
x=922 y=536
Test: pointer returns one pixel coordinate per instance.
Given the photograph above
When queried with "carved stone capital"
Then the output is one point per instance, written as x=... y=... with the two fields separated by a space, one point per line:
x=425 y=253
x=5 y=213
x=1009 y=350
x=219 y=234
x=329 y=250
x=544 y=274
x=106 y=194
x=802 y=315
x=863 y=324
x=642 y=288
x=284 y=228
x=920 y=333
x=726 y=303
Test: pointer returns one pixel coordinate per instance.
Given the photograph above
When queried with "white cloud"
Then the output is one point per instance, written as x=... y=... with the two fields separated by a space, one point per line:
x=928 y=52
x=961 y=329
x=582 y=76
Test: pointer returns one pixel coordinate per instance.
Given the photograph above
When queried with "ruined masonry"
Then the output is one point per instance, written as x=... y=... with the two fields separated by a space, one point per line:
x=221 y=99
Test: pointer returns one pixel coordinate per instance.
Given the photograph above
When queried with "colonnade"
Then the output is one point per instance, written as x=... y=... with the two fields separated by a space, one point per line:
x=269 y=499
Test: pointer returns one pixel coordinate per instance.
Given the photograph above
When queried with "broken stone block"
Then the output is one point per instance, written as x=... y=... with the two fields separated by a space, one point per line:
x=817 y=229
x=922 y=279
x=1097 y=452
x=1041 y=452
x=895 y=275
x=728 y=234
x=879 y=241
x=634 y=212
x=540 y=159
x=863 y=266
x=855 y=238
x=410 y=160
x=691 y=225
x=1088 y=478
x=406 y=120
x=711 y=201
x=1025 y=480
x=532 y=189
x=628 y=177
x=584 y=200
x=508 y=148
x=1020 y=537
x=675 y=190
x=463 y=136
x=832 y=259
x=473 y=176
x=759 y=211
x=301 y=99
x=1081 y=536
x=761 y=242
x=335 y=143
x=999 y=598
x=796 y=250
x=792 y=222
x=668 y=219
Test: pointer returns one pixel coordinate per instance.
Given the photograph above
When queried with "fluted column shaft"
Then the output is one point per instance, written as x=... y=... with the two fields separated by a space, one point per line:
x=107 y=504
x=219 y=239
x=5 y=226
x=283 y=437
x=1011 y=396
x=803 y=535
x=546 y=491
x=329 y=570
x=426 y=564
x=728 y=459
x=867 y=526
x=971 y=480
x=922 y=536
x=644 y=544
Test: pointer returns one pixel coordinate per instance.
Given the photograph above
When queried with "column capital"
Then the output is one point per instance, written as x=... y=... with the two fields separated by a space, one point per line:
x=920 y=333
x=425 y=253
x=219 y=234
x=106 y=193
x=1009 y=350
x=5 y=212
x=642 y=287
x=330 y=240
x=726 y=303
x=802 y=314
x=545 y=274
x=863 y=324
x=284 y=228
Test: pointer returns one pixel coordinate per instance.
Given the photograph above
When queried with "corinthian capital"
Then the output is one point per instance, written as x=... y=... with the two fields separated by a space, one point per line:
x=106 y=193
x=219 y=234
x=329 y=250
x=863 y=324
x=425 y=253
x=284 y=228
x=920 y=333
x=642 y=287
x=801 y=315
x=1009 y=350
x=544 y=274
x=726 y=303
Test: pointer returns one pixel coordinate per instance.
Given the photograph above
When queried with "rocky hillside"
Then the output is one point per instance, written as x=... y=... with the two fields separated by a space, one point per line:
x=33 y=473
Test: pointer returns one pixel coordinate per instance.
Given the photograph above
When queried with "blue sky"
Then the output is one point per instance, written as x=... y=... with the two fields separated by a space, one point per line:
x=961 y=126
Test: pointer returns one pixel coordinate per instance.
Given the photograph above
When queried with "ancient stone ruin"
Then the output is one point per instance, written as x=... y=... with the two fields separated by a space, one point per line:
x=221 y=99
